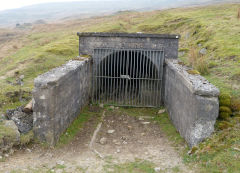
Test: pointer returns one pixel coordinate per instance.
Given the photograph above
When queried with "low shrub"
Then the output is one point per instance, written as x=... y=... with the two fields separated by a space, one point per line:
x=198 y=61
x=202 y=66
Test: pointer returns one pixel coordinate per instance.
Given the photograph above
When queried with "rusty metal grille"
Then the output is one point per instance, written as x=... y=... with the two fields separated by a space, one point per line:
x=127 y=77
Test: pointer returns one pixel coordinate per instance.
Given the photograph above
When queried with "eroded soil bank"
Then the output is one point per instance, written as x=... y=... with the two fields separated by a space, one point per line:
x=127 y=140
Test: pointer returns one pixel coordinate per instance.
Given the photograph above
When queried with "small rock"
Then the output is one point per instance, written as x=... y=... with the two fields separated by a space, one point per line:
x=203 y=51
x=161 y=111
x=116 y=142
x=157 y=169
x=143 y=134
x=118 y=151
x=124 y=138
x=110 y=131
x=129 y=127
x=111 y=107
x=145 y=123
x=60 y=162
x=21 y=77
x=125 y=142
x=116 y=108
x=199 y=45
x=1 y=157
x=101 y=106
x=6 y=155
x=141 y=119
x=103 y=141
x=28 y=150
x=52 y=170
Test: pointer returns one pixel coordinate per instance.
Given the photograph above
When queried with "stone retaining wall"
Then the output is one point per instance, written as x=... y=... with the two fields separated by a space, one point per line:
x=58 y=97
x=191 y=101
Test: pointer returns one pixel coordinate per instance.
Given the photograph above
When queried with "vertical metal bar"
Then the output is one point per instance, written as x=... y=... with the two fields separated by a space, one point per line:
x=158 y=76
x=140 y=76
x=94 y=77
x=123 y=73
x=114 y=75
x=105 y=74
x=120 y=80
x=111 y=74
x=145 y=76
x=136 y=74
x=127 y=81
x=147 y=80
x=130 y=74
x=162 y=62
x=154 y=78
x=101 y=74
x=134 y=81
x=117 y=75
x=98 y=79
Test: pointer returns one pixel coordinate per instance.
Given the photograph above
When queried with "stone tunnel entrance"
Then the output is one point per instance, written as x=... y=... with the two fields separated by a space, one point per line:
x=127 y=77
x=139 y=70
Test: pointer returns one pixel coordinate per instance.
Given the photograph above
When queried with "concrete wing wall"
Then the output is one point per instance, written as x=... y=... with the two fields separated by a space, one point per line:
x=191 y=101
x=58 y=97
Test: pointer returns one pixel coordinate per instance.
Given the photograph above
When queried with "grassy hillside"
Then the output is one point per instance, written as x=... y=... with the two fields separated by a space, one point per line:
x=59 y=10
x=215 y=28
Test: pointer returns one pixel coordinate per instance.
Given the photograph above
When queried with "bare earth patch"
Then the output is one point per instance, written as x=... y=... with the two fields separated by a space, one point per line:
x=121 y=139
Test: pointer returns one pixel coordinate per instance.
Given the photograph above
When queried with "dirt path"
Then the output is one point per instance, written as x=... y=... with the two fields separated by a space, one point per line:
x=121 y=138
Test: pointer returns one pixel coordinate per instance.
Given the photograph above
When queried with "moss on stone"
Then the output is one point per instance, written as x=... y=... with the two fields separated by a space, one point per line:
x=26 y=138
x=235 y=104
x=224 y=96
x=225 y=102
x=193 y=72
x=224 y=125
x=224 y=115
x=225 y=109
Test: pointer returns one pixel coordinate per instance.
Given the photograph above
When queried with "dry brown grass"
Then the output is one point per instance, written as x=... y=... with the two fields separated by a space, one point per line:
x=238 y=16
x=198 y=62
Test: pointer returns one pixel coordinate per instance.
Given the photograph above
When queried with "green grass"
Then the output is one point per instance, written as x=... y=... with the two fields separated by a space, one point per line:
x=219 y=153
x=77 y=125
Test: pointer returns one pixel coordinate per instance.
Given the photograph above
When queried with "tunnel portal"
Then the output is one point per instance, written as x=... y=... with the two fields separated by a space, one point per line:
x=127 y=77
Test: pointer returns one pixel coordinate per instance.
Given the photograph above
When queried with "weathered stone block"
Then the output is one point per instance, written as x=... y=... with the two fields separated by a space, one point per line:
x=191 y=101
x=58 y=97
x=89 y=41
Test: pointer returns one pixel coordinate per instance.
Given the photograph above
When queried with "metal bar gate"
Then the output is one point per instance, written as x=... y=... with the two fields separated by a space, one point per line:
x=127 y=77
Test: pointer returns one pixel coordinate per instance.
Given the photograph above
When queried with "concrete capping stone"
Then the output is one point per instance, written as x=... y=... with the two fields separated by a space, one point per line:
x=196 y=83
x=191 y=101
x=90 y=41
x=58 y=97
x=129 y=35
x=52 y=76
